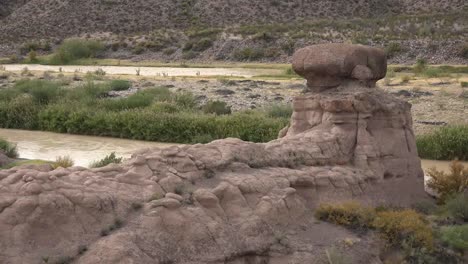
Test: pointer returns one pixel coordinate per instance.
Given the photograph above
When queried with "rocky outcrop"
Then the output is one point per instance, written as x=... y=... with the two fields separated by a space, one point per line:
x=228 y=201
x=330 y=65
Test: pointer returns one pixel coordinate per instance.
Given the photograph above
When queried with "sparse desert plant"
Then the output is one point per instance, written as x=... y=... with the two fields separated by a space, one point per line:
x=420 y=66
x=217 y=107
x=457 y=205
x=32 y=56
x=464 y=84
x=445 y=143
x=9 y=149
x=393 y=49
x=455 y=236
x=448 y=184
x=405 y=79
x=120 y=85
x=109 y=159
x=406 y=225
x=348 y=214
x=464 y=50
x=63 y=161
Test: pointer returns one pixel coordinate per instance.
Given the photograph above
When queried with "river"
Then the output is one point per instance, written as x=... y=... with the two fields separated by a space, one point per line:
x=147 y=71
x=82 y=149
x=86 y=149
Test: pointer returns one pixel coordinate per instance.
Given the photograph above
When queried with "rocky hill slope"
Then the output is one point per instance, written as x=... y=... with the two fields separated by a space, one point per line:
x=23 y=21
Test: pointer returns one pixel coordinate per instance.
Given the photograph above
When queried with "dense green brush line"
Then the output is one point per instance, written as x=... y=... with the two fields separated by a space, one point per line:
x=446 y=143
x=153 y=115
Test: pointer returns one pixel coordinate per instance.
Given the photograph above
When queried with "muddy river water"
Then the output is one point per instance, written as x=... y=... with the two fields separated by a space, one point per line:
x=86 y=149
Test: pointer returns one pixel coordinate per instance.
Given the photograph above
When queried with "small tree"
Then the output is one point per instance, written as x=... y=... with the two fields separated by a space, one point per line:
x=32 y=55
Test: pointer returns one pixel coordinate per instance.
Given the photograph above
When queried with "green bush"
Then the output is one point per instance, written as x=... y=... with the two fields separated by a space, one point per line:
x=120 y=85
x=119 y=104
x=111 y=158
x=153 y=114
x=455 y=236
x=446 y=143
x=420 y=66
x=217 y=107
x=249 y=54
x=464 y=84
x=279 y=111
x=74 y=49
x=457 y=206
x=8 y=149
x=41 y=91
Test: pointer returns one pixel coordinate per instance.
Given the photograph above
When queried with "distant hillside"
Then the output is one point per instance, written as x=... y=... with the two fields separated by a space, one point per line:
x=114 y=21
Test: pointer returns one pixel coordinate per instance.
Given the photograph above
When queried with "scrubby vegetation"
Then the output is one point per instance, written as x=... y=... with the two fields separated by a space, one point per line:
x=419 y=238
x=63 y=161
x=446 y=143
x=73 y=49
x=8 y=149
x=448 y=184
x=396 y=226
x=109 y=159
x=155 y=114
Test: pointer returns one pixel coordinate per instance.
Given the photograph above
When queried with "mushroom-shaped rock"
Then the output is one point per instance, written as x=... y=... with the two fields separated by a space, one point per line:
x=330 y=65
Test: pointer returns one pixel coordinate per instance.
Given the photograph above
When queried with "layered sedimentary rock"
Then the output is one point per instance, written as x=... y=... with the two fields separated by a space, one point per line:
x=228 y=201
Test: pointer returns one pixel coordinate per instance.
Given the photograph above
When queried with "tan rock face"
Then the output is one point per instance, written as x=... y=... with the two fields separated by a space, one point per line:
x=330 y=65
x=228 y=201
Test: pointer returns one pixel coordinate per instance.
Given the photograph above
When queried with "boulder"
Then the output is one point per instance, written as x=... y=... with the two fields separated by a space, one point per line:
x=4 y=159
x=330 y=65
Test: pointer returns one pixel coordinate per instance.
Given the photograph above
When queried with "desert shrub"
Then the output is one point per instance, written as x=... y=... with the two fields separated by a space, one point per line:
x=393 y=49
x=120 y=85
x=279 y=110
x=457 y=205
x=133 y=101
x=185 y=100
x=42 y=91
x=74 y=49
x=347 y=214
x=32 y=56
x=405 y=79
x=426 y=207
x=109 y=159
x=406 y=225
x=446 y=143
x=455 y=236
x=464 y=84
x=202 y=44
x=217 y=107
x=249 y=54
x=8 y=149
x=448 y=184
x=63 y=161
x=464 y=51
x=188 y=55
x=420 y=66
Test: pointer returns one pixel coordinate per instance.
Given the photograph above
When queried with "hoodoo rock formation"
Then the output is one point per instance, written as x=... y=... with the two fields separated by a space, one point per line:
x=330 y=65
x=228 y=201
